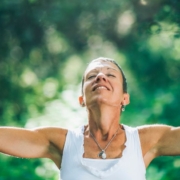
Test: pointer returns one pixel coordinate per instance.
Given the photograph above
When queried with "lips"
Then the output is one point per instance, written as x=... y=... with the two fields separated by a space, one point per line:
x=100 y=87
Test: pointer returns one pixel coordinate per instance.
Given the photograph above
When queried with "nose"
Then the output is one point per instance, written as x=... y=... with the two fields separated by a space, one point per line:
x=101 y=77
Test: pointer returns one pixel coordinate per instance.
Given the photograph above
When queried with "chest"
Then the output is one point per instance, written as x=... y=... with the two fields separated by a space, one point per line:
x=80 y=158
x=93 y=149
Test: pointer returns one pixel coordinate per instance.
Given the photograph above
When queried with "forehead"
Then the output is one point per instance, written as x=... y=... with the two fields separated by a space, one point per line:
x=99 y=64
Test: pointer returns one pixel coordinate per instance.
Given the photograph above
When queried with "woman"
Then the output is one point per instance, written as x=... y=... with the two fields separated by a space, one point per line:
x=104 y=148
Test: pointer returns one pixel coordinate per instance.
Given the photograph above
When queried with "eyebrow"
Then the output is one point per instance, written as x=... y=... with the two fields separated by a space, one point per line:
x=108 y=68
x=111 y=69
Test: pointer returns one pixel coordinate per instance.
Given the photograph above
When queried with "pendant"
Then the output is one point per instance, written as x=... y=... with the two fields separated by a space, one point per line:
x=102 y=154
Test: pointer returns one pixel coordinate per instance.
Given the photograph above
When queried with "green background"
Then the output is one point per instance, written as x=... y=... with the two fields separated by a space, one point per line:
x=45 y=47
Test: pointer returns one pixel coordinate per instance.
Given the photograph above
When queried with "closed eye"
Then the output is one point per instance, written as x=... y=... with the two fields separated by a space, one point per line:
x=111 y=75
x=92 y=76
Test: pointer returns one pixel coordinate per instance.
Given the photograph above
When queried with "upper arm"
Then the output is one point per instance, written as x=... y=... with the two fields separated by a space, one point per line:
x=34 y=143
x=56 y=140
x=159 y=140
x=169 y=141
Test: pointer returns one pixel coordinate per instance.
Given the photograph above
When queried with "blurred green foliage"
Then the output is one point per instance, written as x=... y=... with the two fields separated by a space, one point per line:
x=45 y=47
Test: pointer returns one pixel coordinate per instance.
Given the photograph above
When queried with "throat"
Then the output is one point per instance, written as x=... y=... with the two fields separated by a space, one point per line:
x=102 y=116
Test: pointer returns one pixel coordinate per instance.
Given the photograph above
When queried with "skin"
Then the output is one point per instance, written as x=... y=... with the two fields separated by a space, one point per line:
x=103 y=98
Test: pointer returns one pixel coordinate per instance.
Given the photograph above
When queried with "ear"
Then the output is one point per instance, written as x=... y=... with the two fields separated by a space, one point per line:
x=126 y=99
x=81 y=101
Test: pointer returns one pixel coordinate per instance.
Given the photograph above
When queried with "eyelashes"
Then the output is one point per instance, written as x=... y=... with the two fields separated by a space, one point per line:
x=93 y=76
x=111 y=75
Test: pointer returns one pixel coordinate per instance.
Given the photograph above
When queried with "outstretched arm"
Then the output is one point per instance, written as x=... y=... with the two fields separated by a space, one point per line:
x=35 y=143
x=159 y=140
x=169 y=141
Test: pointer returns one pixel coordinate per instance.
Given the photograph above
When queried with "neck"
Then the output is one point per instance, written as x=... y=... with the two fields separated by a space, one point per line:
x=103 y=121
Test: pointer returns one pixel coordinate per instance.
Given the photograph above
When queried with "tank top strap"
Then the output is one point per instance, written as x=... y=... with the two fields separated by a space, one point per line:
x=133 y=143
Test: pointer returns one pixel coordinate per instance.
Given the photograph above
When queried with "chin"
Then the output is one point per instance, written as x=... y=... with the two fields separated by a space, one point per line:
x=102 y=101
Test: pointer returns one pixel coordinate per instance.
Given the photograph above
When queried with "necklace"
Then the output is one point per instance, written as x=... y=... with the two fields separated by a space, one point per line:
x=102 y=154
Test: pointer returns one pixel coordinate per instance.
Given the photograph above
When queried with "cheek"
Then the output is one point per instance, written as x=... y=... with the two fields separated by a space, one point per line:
x=118 y=89
x=85 y=88
x=120 y=85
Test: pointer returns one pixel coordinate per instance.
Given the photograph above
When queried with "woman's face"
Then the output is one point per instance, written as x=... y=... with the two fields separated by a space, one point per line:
x=103 y=83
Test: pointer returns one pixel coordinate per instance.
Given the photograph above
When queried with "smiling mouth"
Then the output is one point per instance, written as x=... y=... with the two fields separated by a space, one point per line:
x=100 y=87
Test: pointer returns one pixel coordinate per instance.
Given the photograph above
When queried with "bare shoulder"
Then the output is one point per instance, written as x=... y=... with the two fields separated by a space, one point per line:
x=151 y=135
x=159 y=140
x=56 y=139
x=153 y=130
x=55 y=135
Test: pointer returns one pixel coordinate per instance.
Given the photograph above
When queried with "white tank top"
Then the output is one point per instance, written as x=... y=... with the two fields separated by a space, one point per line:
x=129 y=167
